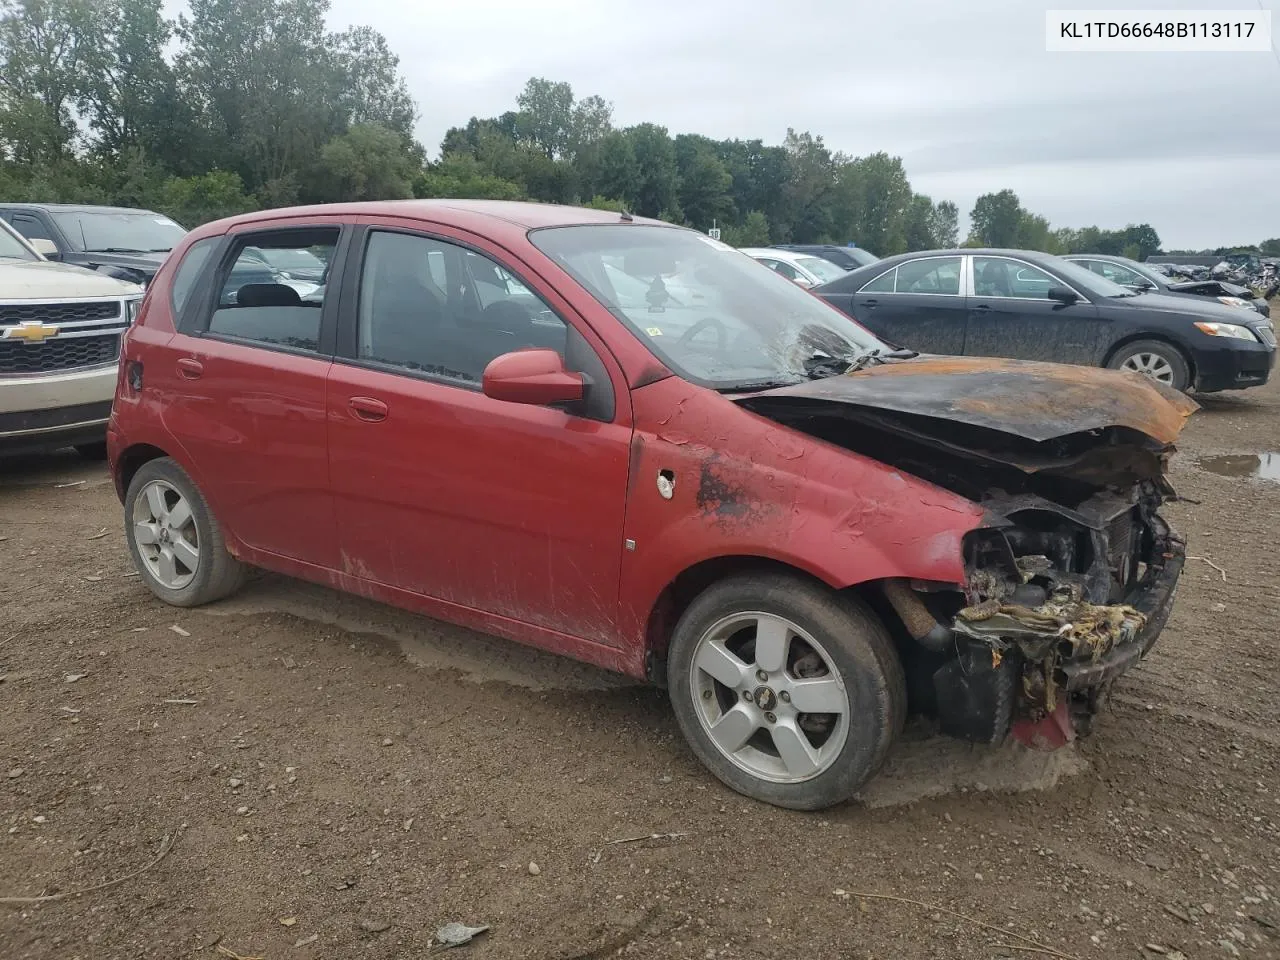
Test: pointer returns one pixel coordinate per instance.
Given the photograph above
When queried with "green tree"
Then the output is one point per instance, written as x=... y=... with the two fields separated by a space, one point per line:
x=919 y=233
x=130 y=98
x=196 y=200
x=545 y=119
x=946 y=225
x=366 y=81
x=656 y=179
x=1270 y=248
x=705 y=186
x=605 y=203
x=47 y=48
x=1143 y=237
x=368 y=162
x=754 y=231
x=995 y=219
x=886 y=204
x=809 y=187
x=1034 y=234
x=612 y=169
x=463 y=177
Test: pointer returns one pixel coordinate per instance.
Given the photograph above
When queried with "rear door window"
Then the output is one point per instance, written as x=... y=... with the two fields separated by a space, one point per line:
x=261 y=305
x=936 y=275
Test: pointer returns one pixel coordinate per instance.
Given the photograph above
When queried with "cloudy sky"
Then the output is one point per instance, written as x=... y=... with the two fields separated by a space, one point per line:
x=962 y=90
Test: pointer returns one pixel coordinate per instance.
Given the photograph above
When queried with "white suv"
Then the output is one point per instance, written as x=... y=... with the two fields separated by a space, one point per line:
x=60 y=329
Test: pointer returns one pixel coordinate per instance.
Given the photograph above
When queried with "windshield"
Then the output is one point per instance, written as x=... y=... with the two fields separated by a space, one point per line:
x=11 y=248
x=707 y=311
x=861 y=257
x=1085 y=279
x=95 y=231
x=824 y=270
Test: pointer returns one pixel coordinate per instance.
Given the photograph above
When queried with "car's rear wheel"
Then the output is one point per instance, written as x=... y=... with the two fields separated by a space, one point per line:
x=786 y=691
x=1162 y=362
x=174 y=538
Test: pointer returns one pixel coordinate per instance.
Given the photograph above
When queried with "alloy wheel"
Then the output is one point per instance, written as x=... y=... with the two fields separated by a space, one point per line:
x=769 y=697
x=1150 y=365
x=166 y=535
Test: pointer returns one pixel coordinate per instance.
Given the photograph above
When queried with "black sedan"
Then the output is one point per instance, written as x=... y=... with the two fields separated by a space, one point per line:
x=1143 y=279
x=1032 y=306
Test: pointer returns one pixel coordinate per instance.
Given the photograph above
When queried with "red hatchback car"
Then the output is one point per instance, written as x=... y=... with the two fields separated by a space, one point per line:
x=627 y=443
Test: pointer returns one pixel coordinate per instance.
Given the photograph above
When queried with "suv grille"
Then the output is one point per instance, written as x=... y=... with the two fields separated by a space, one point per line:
x=12 y=314
x=58 y=354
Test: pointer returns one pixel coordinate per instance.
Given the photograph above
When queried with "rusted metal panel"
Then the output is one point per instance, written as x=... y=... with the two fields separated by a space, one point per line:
x=1037 y=401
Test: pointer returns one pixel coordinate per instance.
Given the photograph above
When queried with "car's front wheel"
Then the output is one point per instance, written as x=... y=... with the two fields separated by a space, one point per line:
x=1162 y=362
x=174 y=538
x=785 y=690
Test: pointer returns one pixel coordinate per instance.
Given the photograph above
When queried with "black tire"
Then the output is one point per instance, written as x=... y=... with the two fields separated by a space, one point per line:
x=92 y=451
x=218 y=574
x=1181 y=369
x=861 y=651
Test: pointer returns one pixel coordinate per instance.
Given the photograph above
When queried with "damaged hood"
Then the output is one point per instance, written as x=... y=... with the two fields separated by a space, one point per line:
x=1035 y=401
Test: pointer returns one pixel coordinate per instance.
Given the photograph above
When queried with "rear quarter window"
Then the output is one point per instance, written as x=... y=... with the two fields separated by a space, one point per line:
x=188 y=272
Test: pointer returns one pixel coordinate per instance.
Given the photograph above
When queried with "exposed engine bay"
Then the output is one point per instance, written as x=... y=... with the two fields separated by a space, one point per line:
x=1071 y=575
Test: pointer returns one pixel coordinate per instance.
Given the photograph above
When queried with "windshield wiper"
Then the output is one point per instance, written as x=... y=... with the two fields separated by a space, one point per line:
x=748 y=386
x=116 y=250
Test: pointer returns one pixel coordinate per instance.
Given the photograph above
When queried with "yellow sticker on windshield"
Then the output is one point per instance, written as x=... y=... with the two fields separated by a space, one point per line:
x=653 y=331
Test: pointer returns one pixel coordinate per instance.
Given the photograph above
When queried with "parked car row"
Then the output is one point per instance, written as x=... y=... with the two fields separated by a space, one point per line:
x=1033 y=306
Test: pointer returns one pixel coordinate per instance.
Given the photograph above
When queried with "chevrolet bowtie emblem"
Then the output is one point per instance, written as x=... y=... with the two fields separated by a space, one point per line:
x=32 y=331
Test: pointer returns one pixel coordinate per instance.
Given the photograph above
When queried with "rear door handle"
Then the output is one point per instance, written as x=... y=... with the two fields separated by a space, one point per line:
x=190 y=369
x=981 y=306
x=870 y=304
x=367 y=408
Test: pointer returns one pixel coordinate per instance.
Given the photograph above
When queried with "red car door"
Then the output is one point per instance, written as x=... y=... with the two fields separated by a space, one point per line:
x=247 y=395
x=511 y=509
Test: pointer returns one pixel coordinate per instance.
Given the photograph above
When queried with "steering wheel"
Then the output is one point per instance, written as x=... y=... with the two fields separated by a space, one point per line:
x=722 y=334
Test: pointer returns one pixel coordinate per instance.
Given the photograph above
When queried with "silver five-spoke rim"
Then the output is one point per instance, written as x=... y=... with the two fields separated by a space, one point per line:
x=1152 y=365
x=166 y=535
x=769 y=697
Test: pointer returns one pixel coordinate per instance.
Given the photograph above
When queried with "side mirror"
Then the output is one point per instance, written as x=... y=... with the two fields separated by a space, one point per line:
x=536 y=377
x=802 y=282
x=46 y=248
x=1062 y=295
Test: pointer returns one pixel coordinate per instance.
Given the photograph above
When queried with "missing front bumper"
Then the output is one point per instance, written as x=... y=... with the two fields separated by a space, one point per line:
x=1044 y=681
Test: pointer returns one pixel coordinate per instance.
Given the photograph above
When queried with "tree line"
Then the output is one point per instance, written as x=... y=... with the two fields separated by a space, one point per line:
x=245 y=104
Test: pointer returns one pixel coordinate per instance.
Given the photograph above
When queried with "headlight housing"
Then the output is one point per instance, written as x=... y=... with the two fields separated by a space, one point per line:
x=131 y=308
x=1234 y=331
x=1235 y=302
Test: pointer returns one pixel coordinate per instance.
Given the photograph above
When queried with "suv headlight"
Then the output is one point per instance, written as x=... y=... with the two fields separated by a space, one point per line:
x=131 y=308
x=1226 y=330
x=1235 y=302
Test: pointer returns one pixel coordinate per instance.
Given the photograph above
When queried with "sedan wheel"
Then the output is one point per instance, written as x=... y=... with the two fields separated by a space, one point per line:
x=787 y=691
x=769 y=697
x=1152 y=365
x=1160 y=361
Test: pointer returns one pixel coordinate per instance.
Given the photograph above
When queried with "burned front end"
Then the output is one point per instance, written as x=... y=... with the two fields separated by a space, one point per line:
x=1070 y=576
x=1058 y=602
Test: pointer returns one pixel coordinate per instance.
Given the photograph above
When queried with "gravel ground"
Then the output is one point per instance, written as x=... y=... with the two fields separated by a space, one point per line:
x=331 y=778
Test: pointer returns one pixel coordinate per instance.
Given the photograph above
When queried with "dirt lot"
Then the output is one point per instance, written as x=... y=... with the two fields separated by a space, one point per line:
x=348 y=778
